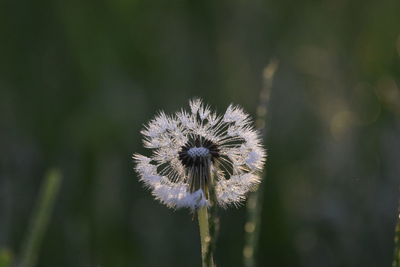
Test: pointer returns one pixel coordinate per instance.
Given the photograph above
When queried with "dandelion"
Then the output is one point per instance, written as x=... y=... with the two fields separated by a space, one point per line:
x=200 y=159
x=198 y=149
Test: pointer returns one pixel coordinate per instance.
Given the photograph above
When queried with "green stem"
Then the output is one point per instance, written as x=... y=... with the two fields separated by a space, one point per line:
x=202 y=215
x=40 y=218
x=213 y=220
x=208 y=223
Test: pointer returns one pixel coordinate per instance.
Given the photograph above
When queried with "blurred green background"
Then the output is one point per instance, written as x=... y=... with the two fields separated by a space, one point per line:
x=79 y=78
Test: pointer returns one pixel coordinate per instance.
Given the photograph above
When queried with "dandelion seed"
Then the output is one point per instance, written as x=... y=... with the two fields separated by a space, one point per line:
x=191 y=148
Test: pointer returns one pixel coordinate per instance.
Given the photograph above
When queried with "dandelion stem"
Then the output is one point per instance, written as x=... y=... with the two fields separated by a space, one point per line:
x=40 y=218
x=396 y=256
x=202 y=215
x=206 y=224
x=254 y=202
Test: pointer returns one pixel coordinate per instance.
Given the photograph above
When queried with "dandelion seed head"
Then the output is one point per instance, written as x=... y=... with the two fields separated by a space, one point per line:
x=190 y=149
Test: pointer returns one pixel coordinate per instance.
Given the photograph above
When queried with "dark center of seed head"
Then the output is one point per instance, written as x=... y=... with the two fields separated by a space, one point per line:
x=197 y=155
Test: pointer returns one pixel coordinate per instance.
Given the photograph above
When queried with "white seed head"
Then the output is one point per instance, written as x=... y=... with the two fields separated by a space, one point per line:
x=191 y=147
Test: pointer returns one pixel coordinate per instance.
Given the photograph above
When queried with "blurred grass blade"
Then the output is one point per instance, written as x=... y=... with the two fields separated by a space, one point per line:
x=213 y=223
x=40 y=218
x=5 y=258
x=396 y=256
x=254 y=202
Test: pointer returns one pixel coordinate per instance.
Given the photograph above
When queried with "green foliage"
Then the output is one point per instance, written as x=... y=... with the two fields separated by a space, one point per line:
x=5 y=258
